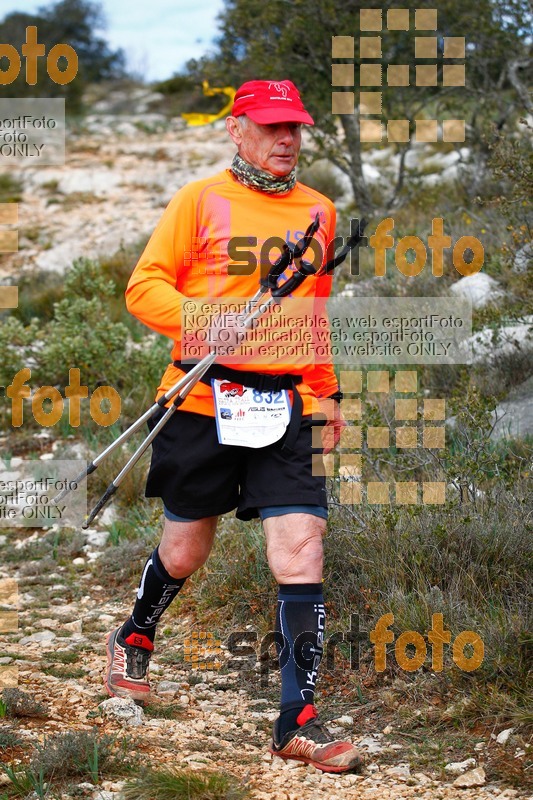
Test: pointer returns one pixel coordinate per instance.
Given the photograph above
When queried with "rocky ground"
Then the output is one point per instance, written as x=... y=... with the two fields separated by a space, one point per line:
x=215 y=718
x=120 y=173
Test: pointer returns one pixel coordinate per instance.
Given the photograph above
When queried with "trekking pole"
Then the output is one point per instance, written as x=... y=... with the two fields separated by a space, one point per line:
x=269 y=282
x=145 y=444
x=253 y=309
x=182 y=383
x=351 y=243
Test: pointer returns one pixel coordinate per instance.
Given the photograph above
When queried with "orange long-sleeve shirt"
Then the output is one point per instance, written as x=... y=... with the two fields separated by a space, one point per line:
x=187 y=257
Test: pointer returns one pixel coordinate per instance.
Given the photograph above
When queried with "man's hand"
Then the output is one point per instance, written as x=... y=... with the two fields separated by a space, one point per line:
x=331 y=432
x=227 y=333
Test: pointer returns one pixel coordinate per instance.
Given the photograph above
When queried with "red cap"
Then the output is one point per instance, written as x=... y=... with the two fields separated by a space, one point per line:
x=268 y=102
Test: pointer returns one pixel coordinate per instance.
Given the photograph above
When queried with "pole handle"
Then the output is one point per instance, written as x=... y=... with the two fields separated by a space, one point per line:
x=352 y=242
x=304 y=270
x=289 y=254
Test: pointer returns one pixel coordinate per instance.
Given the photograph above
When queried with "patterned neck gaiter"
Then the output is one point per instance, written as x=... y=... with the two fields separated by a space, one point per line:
x=261 y=181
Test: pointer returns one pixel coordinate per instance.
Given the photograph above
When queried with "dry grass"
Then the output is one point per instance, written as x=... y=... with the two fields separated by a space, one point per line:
x=171 y=783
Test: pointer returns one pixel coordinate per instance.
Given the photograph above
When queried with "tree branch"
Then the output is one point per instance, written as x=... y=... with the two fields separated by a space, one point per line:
x=400 y=179
x=512 y=72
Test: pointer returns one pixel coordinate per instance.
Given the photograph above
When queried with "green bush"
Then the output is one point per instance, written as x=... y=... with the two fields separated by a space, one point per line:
x=22 y=704
x=38 y=292
x=85 y=754
x=9 y=738
x=170 y=783
x=18 y=345
x=10 y=189
x=80 y=335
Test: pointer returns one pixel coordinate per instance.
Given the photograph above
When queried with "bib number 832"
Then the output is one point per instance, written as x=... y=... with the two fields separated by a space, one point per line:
x=267 y=397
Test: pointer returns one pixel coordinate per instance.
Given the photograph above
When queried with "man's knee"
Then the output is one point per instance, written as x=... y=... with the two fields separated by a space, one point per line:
x=180 y=564
x=299 y=560
x=185 y=547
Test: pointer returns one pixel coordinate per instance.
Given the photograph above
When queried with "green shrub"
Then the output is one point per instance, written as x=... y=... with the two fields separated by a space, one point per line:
x=178 y=84
x=80 y=335
x=38 y=292
x=17 y=345
x=74 y=753
x=22 y=704
x=10 y=189
x=170 y=783
x=9 y=738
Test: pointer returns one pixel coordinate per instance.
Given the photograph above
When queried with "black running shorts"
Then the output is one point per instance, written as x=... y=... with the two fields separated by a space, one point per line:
x=198 y=477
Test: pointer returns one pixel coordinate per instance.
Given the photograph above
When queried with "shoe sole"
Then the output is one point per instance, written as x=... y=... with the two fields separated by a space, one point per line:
x=119 y=691
x=356 y=762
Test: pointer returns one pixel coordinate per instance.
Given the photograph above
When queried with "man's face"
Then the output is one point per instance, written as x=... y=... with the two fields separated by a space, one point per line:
x=272 y=148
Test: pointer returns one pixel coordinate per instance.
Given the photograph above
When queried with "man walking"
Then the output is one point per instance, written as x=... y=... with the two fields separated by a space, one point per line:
x=269 y=472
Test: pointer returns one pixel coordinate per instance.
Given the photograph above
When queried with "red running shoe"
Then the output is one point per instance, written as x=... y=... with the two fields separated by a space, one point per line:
x=128 y=661
x=313 y=744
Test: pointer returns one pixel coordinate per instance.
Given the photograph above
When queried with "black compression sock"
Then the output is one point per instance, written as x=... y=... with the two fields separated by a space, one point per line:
x=287 y=720
x=157 y=590
x=300 y=619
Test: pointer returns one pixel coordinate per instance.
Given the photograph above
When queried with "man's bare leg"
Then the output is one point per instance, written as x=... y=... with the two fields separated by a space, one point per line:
x=295 y=556
x=184 y=547
x=294 y=547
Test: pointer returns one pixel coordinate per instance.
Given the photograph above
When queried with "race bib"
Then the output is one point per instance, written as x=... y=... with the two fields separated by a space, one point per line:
x=248 y=417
